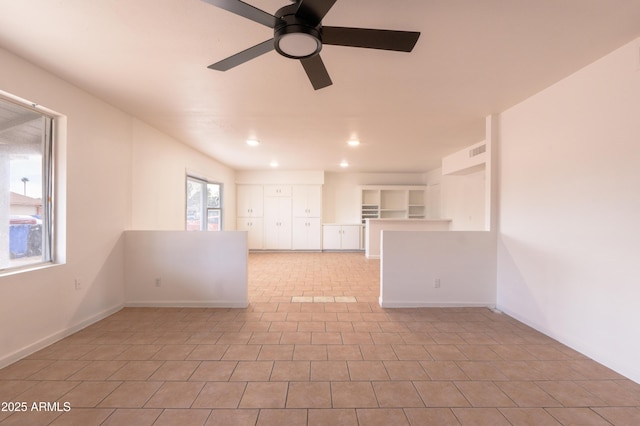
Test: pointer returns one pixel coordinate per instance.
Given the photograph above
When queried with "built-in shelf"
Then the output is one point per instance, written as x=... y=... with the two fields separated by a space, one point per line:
x=393 y=201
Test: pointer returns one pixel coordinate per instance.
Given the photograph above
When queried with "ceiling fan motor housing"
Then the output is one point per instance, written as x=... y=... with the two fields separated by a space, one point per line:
x=294 y=37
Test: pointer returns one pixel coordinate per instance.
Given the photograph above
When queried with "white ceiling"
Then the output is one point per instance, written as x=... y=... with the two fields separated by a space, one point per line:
x=474 y=58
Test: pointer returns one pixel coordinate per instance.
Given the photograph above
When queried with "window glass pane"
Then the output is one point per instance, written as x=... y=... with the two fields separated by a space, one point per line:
x=213 y=220
x=204 y=205
x=24 y=222
x=213 y=196
x=194 y=205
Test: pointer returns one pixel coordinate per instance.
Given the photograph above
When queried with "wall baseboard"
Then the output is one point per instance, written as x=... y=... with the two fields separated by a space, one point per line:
x=418 y=304
x=631 y=372
x=55 y=337
x=186 y=304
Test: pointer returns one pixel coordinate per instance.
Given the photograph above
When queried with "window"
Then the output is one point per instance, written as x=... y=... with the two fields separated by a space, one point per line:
x=26 y=182
x=204 y=205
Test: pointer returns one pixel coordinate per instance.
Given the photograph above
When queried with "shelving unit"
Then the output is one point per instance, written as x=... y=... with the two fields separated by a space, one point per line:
x=370 y=204
x=393 y=202
x=416 y=208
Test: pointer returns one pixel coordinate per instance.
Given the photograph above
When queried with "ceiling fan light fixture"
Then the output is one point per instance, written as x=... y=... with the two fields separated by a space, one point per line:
x=298 y=33
x=353 y=142
x=253 y=142
x=298 y=45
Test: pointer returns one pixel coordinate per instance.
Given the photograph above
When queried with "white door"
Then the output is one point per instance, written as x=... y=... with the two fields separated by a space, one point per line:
x=253 y=226
x=277 y=191
x=331 y=238
x=277 y=223
x=307 y=201
x=350 y=235
x=306 y=233
x=249 y=202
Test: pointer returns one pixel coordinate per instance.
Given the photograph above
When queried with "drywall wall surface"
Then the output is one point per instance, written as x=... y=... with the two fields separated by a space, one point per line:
x=280 y=177
x=93 y=174
x=160 y=165
x=438 y=268
x=374 y=228
x=569 y=208
x=462 y=199
x=186 y=268
x=466 y=160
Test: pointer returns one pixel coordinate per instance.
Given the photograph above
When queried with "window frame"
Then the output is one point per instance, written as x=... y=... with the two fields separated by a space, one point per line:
x=48 y=149
x=205 y=210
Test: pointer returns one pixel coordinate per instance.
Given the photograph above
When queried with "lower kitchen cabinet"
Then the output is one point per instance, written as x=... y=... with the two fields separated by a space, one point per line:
x=341 y=237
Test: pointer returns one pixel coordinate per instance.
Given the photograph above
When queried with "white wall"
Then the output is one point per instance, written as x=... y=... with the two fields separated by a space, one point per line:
x=113 y=173
x=375 y=227
x=462 y=199
x=460 y=162
x=160 y=165
x=93 y=189
x=193 y=268
x=461 y=190
x=280 y=177
x=569 y=251
x=341 y=192
x=464 y=262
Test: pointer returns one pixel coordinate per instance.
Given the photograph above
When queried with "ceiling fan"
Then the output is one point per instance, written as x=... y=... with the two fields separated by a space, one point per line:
x=298 y=33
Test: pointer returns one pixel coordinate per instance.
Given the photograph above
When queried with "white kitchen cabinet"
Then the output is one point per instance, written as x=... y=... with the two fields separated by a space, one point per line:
x=307 y=201
x=277 y=190
x=249 y=201
x=306 y=233
x=341 y=237
x=277 y=223
x=290 y=216
x=253 y=226
x=306 y=210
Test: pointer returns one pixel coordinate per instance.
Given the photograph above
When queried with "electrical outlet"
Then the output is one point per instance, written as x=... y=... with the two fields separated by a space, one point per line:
x=78 y=284
x=436 y=283
x=158 y=282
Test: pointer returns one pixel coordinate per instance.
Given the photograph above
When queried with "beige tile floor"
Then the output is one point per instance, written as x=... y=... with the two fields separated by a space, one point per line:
x=314 y=348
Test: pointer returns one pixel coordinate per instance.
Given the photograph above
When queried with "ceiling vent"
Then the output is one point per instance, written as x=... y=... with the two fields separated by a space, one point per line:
x=477 y=150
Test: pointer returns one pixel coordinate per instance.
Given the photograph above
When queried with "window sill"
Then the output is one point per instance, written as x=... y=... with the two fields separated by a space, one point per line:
x=28 y=268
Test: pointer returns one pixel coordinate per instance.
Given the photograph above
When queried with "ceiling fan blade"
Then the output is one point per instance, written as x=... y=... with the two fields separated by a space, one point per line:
x=244 y=56
x=316 y=71
x=313 y=11
x=246 y=10
x=401 y=41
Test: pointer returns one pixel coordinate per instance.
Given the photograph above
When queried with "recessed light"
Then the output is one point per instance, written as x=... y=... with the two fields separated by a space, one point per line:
x=274 y=163
x=344 y=163
x=353 y=142
x=253 y=142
